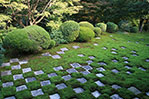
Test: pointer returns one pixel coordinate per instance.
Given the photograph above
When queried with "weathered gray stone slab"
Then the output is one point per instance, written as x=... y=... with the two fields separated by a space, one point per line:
x=14 y=60
x=123 y=47
x=75 y=65
x=85 y=72
x=82 y=80
x=38 y=72
x=116 y=86
x=54 y=96
x=71 y=70
x=37 y=92
x=133 y=52
x=56 y=57
x=46 y=54
x=4 y=73
x=128 y=72
x=128 y=67
x=78 y=90
x=25 y=70
x=16 y=67
x=102 y=63
x=67 y=77
x=18 y=76
x=52 y=75
x=60 y=52
x=20 y=88
x=113 y=52
x=101 y=69
x=134 y=55
x=64 y=49
x=126 y=62
x=89 y=62
x=76 y=47
x=7 y=84
x=5 y=64
x=91 y=57
x=114 y=60
x=96 y=94
x=116 y=96
x=125 y=58
x=147 y=93
x=113 y=49
x=99 y=83
x=97 y=38
x=99 y=75
x=23 y=62
x=87 y=67
x=95 y=44
x=141 y=68
x=12 y=97
x=147 y=60
x=61 y=86
x=115 y=71
x=58 y=68
x=104 y=48
x=111 y=35
x=30 y=79
x=134 y=90
x=44 y=83
x=80 y=55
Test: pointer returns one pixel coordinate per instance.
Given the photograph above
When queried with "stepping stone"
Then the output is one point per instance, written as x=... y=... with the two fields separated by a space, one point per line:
x=61 y=86
x=147 y=93
x=128 y=72
x=134 y=55
x=18 y=76
x=137 y=42
x=54 y=96
x=134 y=90
x=102 y=63
x=104 y=48
x=147 y=60
x=95 y=44
x=111 y=35
x=123 y=47
x=85 y=72
x=116 y=87
x=126 y=62
x=75 y=65
x=99 y=75
x=113 y=49
x=7 y=84
x=114 y=60
x=5 y=64
x=128 y=67
x=14 y=60
x=114 y=52
x=89 y=62
x=67 y=77
x=87 y=67
x=31 y=79
x=60 y=52
x=38 y=72
x=97 y=38
x=82 y=80
x=134 y=52
x=25 y=70
x=23 y=62
x=91 y=57
x=64 y=49
x=115 y=96
x=44 y=83
x=12 y=97
x=56 y=57
x=78 y=90
x=101 y=69
x=72 y=70
x=141 y=68
x=81 y=55
x=37 y=92
x=125 y=58
x=99 y=83
x=52 y=75
x=46 y=54
x=96 y=94
x=115 y=71
x=20 y=88
x=58 y=68
x=76 y=47
x=16 y=67
x=4 y=73
x=113 y=39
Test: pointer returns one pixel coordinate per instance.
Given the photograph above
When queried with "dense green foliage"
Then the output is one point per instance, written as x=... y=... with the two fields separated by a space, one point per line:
x=70 y=30
x=1 y=54
x=97 y=31
x=85 y=34
x=134 y=29
x=125 y=25
x=86 y=24
x=52 y=44
x=102 y=26
x=112 y=27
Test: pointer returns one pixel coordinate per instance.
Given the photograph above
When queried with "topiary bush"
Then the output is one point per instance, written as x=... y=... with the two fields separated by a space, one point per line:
x=86 y=24
x=134 y=29
x=70 y=30
x=52 y=44
x=1 y=54
x=97 y=31
x=85 y=34
x=112 y=27
x=30 y=39
x=102 y=26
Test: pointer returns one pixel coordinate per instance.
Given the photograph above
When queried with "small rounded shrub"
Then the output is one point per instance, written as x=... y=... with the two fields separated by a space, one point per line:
x=102 y=26
x=85 y=34
x=52 y=44
x=86 y=24
x=70 y=30
x=97 y=31
x=112 y=27
x=134 y=29
x=125 y=25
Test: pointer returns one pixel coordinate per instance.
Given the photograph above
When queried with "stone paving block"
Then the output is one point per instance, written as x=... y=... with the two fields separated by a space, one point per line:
x=44 y=83
x=147 y=60
x=75 y=65
x=134 y=55
x=37 y=92
x=20 y=88
x=54 y=96
x=56 y=57
x=102 y=63
x=71 y=70
x=125 y=58
x=78 y=90
x=85 y=72
x=99 y=75
x=46 y=54
x=126 y=62
x=141 y=68
x=87 y=67
x=52 y=75
x=14 y=60
x=61 y=86
x=114 y=60
x=16 y=67
x=116 y=96
x=116 y=86
x=147 y=93
x=128 y=67
x=99 y=83
x=12 y=97
x=7 y=84
x=101 y=69
x=134 y=90
x=76 y=47
x=113 y=49
x=104 y=48
x=128 y=72
x=25 y=70
x=123 y=47
x=115 y=71
x=18 y=76
x=38 y=72
x=4 y=73
x=23 y=62
x=58 y=68
x=82 y=80
x=95 y=44
x=30 y=79
x=113 y=52
x=91 y=57
x=80 y=55
x=5 y=64
x=67 y=77
x=133 y=52
x=64 y=49
x=60 y=52
x=96 y=94
x=89 y=62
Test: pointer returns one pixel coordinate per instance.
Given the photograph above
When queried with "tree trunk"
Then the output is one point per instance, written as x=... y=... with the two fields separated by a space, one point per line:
x=141 y=25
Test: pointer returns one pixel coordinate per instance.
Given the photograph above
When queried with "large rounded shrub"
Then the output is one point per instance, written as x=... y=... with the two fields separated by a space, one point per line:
x=112 y=27
x=125 y=25
x=29 y=39
x=70 y=30
x=86 y=24
x=134 y=29
x=85 y=34
x=102 y=26
x=97 y=31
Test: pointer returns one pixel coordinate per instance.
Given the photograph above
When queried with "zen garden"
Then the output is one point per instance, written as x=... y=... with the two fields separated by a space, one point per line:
x=74 y=49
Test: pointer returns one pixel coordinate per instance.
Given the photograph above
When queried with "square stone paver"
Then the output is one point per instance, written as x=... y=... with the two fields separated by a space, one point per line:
x=76 y=47
x=12 y=97
x=18 y=76
x=95 y=44
x=58 y=68
x=126 y=62
x=85 y=72
x=75 y=65
x=114 y=60
x=116 y=86
x=30 y=79
x=97 y=38
x=56 y=57
x=46 y=54
x=128 y=72
x=20 y=88
x=87 y=67
x=115 y=96
x=67 y=77
x=147 y=93
x=38 y=72
x=23 y=62
x=113 y=49
x=113 y=52
x=123 y=47
x=99 y=83
x=115 y=71
x=64 y=49
x=141 y=68
x=128 y=67
x=71 y=70
x=52 y=75
x=89 y=62
x=14 y=60
x=91 y=57
x=16 y=67
x=134 y=55
x=7 y=84
x=104 y=48
x=125 y=58
x=147 y=60
x=78 y=90
x=99 y=75
x=82 y=80
x=5 y=64
x=133 y=52
x=37 y=92
x=25 y=70
x=4 y=73
x=102 y=63
x=54 y=96
x=96 y=94
x=61 y=86
x=101 y=69
x=134 y=90
x=44 y=83
x=60 y=52
x=80 y=55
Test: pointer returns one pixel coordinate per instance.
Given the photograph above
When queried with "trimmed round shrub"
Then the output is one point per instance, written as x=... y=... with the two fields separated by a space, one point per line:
x=30 y=39
x=125 y=25
x=134 y=29
x=97 y=31
x=52 y=44
x=86 y=24
x=85 y=34
x=112 y=27
x=70 y=30
x=102 y=26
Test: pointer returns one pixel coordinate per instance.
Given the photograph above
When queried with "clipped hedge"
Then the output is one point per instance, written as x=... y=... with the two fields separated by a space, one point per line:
x=86 y=24
x=97 y=31
x=70 y=30
x=112 y=27
x=102 y=26
x=1 y=54
x=85 y=34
